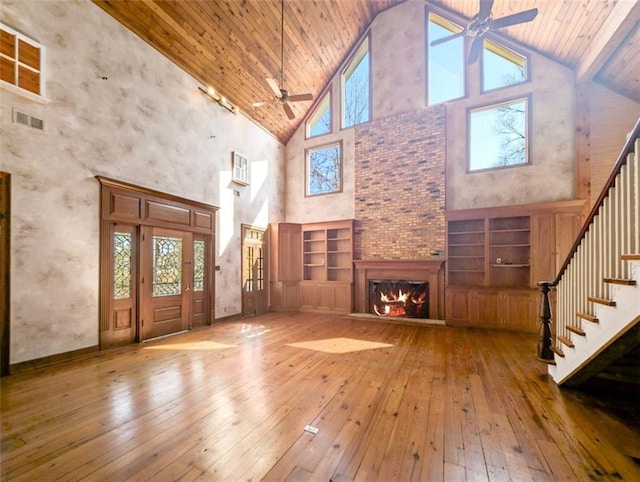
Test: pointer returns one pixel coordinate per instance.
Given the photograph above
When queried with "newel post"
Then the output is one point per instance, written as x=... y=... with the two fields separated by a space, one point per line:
x=544 y=340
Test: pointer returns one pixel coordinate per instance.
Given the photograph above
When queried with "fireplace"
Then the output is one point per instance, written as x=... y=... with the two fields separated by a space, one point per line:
x=399 y=298
x=424 y=271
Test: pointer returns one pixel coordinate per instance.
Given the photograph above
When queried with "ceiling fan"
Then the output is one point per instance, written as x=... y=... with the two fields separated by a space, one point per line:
x=282 y=95
x=484 y=22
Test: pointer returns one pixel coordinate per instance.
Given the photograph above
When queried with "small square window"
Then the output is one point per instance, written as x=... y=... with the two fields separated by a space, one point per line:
x=324 y=170
x=21 y=63
x=498 y=135
x=240 y=169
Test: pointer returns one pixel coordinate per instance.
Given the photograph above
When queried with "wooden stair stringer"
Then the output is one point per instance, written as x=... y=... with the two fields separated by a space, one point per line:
x=613 y=323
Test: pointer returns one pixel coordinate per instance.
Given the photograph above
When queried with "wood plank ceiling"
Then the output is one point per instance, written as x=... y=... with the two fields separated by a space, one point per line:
x=233 y=45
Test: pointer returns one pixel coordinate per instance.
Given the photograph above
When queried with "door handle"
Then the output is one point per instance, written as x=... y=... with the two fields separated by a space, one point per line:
x=187 y=288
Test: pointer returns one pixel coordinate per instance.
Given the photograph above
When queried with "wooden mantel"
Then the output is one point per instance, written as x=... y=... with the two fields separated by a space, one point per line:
x=429 y=270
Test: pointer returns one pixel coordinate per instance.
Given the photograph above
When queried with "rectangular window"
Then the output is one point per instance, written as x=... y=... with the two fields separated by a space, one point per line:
x=324 y=170
x=320 y=121
x=21 y=61
x=498 y=135
x=240 y=168
x=501 y=66
x=356 y=89
x=445 y=61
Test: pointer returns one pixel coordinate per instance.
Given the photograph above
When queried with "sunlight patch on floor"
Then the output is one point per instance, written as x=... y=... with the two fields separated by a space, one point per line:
x=194 y=345
x=339 y=345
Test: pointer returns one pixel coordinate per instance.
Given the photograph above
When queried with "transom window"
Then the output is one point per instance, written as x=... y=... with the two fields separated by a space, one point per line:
x=356 y=89
x=21 y=61
x=446 y=61
x=498 y=135
x=324 y=170
x=501 y=66
x=320 y=122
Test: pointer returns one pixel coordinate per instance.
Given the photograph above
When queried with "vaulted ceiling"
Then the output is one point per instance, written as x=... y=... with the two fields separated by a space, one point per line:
x=233 y=45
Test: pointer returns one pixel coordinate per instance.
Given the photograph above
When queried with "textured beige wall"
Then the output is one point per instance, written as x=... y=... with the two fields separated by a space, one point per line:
x=397 y=85
x=146 y=124
x=551 y=174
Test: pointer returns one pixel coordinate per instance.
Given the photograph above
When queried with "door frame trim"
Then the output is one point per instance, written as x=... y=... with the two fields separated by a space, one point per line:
x=121 y=202
x=5 y=272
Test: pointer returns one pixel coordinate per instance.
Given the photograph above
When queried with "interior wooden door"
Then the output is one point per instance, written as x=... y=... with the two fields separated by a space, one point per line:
x=254 y=293
x=167 y=271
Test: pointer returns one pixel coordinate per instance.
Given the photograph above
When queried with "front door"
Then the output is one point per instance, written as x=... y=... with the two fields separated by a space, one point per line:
x=254 y=294
x=167 y=267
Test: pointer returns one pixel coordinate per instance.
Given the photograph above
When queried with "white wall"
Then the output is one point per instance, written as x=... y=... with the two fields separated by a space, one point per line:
x=147 y=124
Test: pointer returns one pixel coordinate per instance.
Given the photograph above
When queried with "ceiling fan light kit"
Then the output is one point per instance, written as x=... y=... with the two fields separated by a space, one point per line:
x=484 y=22
x=280 y=94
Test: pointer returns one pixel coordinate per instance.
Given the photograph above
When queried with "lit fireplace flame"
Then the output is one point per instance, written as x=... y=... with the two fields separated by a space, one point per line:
x=402 y=297
x=404 y=303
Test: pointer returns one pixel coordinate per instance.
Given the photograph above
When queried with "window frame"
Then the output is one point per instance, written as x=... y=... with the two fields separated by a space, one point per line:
x=505 y=46
x=325 y=97
x=237 y=160
x=445 y=20
x=307 y=153
x=14 y=87
x=354 y=61
x=527 y=98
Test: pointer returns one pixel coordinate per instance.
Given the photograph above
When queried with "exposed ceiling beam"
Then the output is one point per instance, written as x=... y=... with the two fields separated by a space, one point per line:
x=620 y=22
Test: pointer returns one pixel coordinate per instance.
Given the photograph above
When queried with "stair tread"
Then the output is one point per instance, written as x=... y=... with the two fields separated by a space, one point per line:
x=557 y=351
x=587 y=316
x=577 y=331
x=620 y=281
x=601 y=301
x=565 y=341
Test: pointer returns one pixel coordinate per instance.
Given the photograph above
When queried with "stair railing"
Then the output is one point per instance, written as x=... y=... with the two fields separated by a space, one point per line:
x=611 y=230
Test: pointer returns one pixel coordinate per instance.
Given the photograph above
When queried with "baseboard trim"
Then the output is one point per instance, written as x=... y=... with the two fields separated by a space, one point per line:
x=52 y=359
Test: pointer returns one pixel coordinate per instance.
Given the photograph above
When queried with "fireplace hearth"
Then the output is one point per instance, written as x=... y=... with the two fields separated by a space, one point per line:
x=426 y=271
x=399 y=298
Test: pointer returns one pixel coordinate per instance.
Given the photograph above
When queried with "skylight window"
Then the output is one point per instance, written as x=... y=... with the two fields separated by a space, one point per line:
x=356 y=89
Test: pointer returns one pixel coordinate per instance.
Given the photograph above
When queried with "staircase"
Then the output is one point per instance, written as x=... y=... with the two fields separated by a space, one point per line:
x=597 y=322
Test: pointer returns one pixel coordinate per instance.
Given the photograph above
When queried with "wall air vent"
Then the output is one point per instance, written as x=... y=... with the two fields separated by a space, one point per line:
x=28 y=120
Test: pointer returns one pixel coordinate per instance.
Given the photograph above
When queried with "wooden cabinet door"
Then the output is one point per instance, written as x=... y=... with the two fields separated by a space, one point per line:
x=567 y=226
x=517 y=310
x=543 y=254
x=457 y=305
x=483 y=307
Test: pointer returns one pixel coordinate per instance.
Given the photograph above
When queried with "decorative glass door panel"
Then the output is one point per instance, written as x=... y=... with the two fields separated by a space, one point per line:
x=122 y=319
x=169 y=269
x=200 y=284
x=254 y=296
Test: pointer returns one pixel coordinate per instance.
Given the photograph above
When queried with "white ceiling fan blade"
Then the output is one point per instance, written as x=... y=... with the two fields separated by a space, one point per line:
x=300 y=97
x=273 y=84
x=288 y=111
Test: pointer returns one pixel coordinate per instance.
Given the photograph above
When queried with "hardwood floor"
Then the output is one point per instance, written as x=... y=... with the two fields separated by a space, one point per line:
x=231 y=401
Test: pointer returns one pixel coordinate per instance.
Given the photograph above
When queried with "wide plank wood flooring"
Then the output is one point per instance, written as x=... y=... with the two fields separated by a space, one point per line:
x=231 y=402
